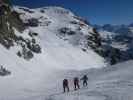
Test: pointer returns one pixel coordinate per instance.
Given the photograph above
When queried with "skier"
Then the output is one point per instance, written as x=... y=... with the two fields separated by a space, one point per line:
x=76 y=83
x=65 y=85
x=85 y=79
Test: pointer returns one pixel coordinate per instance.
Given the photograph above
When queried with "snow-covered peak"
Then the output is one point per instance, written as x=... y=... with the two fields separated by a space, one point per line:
x=66 y=41
x=106 y=35
x=56 y=10
x=58 y=15
x=54 y=39
x=54 y=44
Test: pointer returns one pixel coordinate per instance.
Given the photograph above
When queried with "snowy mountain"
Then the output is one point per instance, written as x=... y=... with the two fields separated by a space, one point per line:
x=31 y=31
x=71 y=29
x=36 y=44
x=118 y=37
x=56 y=32
x=40 y=47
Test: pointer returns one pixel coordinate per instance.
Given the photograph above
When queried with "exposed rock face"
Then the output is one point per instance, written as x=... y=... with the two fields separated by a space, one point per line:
x=117 y=41
x=10 y=20
x=6 y=31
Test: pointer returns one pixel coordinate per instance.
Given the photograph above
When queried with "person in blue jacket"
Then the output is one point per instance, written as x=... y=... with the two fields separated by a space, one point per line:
x=85 y=80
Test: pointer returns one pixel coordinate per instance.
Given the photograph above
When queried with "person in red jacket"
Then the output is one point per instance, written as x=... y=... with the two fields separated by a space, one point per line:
x=76 y=83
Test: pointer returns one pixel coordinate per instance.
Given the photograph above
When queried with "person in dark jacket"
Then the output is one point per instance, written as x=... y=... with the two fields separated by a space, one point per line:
x=65 y=85
x=76 y=83
x=85 y=79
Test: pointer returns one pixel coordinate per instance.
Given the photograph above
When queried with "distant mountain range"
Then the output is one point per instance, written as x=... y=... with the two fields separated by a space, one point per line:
x=119 y=29
x=119 y=37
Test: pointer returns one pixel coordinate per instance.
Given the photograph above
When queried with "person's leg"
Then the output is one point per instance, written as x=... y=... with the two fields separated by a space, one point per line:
x=67 y=88
x=78 y=85
x=75 y=86
x=64 y=88
x=84 y=83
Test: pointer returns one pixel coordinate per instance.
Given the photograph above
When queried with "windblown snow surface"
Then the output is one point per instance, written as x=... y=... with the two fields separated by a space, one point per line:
x=41 y=77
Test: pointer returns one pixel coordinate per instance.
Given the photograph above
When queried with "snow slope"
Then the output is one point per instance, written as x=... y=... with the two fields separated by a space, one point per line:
x=110 y=83
x=64 y=53
x=29 y=78
x=41 y=77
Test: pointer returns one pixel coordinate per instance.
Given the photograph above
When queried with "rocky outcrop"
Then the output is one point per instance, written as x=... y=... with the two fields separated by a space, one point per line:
x=10 y=20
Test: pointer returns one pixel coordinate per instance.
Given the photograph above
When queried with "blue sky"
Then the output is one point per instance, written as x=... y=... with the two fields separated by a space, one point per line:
x=95 y=11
